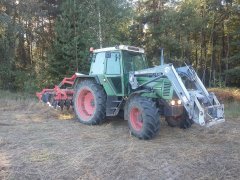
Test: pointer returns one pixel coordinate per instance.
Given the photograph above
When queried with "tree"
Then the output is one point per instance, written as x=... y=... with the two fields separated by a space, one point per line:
x=43 y=41
x=201 y=33
x=80 y=26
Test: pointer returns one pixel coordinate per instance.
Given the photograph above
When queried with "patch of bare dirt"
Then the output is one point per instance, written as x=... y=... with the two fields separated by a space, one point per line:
x=37 y=142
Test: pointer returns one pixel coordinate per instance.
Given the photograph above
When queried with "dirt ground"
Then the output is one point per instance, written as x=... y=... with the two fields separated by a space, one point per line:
x=37 y=142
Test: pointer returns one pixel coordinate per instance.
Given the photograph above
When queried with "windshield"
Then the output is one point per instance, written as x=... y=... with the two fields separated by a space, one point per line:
x=133 y=61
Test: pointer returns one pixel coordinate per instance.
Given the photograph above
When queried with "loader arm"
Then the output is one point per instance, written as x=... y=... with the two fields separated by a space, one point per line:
x=202 y=107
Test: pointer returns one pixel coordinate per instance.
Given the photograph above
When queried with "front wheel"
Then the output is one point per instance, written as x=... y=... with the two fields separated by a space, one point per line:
x=143 y=117
x=90 y=103
x=181 y=121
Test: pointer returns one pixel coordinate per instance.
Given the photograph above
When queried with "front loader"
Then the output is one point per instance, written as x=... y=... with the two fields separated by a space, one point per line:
x=120 y=81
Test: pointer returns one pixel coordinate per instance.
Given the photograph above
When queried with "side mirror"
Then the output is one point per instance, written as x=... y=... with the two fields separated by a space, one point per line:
x=92 y=57
x=90 y=54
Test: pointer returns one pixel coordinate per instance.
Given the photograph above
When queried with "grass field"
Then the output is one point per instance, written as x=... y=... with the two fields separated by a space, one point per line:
x=37 y=142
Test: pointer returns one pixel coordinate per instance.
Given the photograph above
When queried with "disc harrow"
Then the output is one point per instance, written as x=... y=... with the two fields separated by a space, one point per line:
x=60 y=96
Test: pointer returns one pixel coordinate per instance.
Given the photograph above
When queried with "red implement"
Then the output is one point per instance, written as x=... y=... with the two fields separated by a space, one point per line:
x=61 y=94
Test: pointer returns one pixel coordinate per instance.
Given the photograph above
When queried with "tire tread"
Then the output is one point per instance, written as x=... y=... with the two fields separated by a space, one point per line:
x=100 y=96
x=152 y=118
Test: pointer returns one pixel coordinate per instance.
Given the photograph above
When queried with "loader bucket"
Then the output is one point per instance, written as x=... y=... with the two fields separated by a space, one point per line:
x=206 y=111
x=214 y=114
x=202 y=107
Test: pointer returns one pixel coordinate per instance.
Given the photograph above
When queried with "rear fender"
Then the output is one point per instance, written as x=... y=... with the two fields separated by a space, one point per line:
x=82 y=77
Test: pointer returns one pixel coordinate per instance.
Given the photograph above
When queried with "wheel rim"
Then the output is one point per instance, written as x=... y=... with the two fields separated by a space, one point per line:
x=136 y=119
x=86 y=104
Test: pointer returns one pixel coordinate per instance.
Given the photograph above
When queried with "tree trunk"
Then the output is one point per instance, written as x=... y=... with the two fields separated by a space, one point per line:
x=227 y=58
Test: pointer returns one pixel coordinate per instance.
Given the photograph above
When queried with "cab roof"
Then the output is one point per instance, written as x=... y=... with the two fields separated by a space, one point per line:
x=120 y=47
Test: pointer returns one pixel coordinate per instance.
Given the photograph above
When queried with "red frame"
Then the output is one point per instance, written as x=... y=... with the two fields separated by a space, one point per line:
x=60 y=94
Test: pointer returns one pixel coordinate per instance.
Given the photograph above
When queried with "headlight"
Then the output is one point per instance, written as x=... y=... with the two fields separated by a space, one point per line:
x=172 y=102
x=175 y=102
x=179 y=102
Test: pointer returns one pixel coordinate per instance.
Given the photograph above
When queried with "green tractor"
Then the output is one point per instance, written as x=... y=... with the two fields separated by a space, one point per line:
x=121 y=81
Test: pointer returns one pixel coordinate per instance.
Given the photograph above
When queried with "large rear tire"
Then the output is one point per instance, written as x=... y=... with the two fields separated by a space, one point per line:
x=143 y=117
x=90 y=103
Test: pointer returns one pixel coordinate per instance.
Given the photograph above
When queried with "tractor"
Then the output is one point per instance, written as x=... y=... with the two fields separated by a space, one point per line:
x=121 y=82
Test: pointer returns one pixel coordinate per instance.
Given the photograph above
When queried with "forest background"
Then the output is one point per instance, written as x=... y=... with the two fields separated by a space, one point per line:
x=42 y=41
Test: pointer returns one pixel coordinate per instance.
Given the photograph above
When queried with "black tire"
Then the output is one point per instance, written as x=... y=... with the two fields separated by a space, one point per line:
x=181 y=121
x=145 y=111
x=186 y=123
x=173 y=121
x=94 y=112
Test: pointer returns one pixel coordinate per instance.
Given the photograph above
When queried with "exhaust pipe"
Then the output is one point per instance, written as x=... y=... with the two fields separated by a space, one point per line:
x=162 y=57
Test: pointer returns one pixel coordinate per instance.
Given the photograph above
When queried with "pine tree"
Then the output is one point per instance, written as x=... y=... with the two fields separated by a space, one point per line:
x=80 y=26
x=69 y=50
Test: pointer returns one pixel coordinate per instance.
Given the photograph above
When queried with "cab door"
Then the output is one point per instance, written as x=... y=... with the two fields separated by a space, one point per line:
x=113 y=72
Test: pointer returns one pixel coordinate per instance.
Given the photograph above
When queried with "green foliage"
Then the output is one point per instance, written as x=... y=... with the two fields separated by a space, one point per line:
x=43 y=41
x=233 y=76
x=77 y=29
x=30 y=86
x=68 y=52
x=202 y=33
x=24 y=81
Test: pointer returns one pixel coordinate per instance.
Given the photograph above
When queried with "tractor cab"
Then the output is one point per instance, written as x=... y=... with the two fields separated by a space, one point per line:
x=112 y=65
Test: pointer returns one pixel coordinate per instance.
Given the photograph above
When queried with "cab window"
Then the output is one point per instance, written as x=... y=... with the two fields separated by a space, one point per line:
x=97 y=66
x=113 y=63
x=133 y=61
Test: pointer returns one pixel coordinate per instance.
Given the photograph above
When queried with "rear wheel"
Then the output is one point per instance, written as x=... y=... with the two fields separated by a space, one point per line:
x=143 y=117
x=90 y=103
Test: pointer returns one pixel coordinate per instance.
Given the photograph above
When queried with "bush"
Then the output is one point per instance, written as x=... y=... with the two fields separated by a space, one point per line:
x=30 y=86
x=226 y=94
x=25 y=82
x=230 y=97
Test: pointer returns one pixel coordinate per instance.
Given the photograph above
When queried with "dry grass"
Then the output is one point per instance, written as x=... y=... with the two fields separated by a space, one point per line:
x=232 y=109
x=231 y=98
x=227 y=94
x=37 y=142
